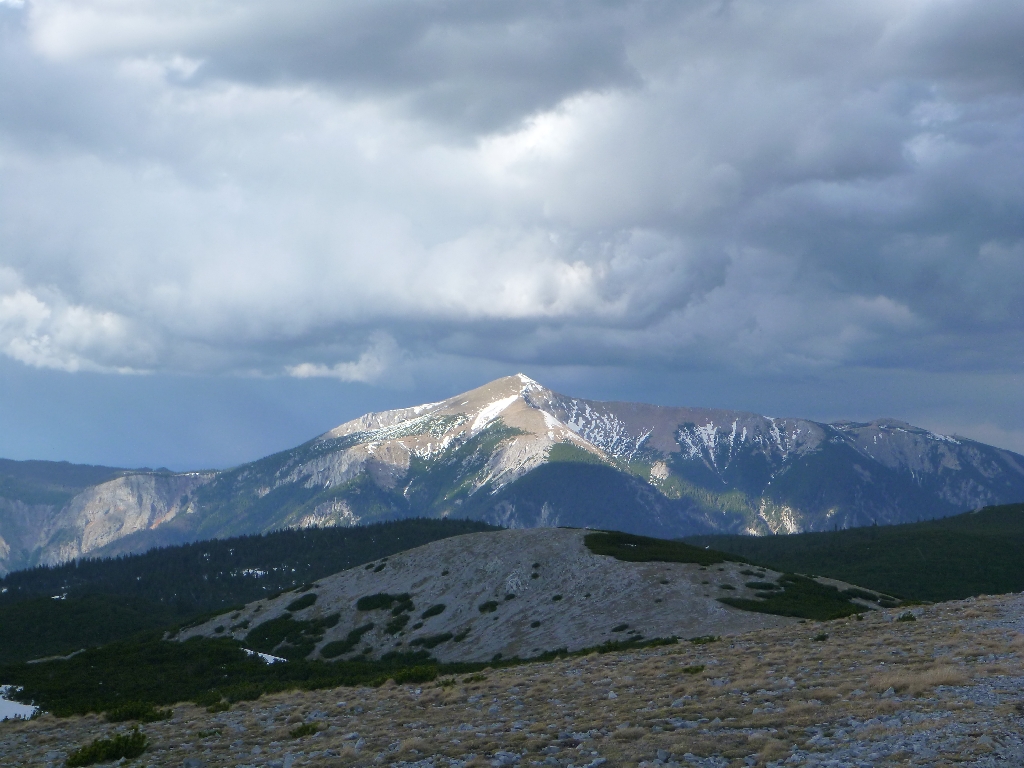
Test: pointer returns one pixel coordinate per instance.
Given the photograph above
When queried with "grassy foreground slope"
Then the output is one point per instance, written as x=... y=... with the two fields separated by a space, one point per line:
x=974 y=553
x=56 y=610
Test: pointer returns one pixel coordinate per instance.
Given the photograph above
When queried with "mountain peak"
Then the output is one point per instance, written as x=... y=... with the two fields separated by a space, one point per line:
x=632 y=466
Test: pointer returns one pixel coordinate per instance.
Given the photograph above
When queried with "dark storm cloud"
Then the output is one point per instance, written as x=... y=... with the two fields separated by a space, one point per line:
x=368 y=190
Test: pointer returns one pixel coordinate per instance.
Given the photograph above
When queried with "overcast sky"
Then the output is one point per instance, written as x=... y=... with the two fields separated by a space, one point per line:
x=228 y=225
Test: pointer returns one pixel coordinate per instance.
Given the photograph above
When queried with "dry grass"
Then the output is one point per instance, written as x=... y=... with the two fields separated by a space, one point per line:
x=800 y=683
x=920 y=681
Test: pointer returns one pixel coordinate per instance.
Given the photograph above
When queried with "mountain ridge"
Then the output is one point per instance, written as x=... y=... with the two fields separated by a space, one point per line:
x=517 y=454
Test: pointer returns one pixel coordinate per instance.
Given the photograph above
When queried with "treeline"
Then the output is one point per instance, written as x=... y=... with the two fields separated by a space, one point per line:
x=51 y=610
x=955 y=557
x=50 y=482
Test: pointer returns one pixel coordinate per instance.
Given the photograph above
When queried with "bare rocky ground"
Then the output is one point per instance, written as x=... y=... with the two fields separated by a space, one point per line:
x=517 y=593
x=945 y=689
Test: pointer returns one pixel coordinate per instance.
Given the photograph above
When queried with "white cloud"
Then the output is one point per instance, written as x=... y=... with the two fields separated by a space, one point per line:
x=371 y=366
x=234 y=186
x=50 y=333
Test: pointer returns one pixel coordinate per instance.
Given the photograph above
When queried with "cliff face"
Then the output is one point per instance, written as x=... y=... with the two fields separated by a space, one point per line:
x=105 y=513
x=19 y=532
x=46 y=534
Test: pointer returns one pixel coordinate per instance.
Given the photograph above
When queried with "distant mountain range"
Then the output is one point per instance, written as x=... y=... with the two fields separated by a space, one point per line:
x=516 y=454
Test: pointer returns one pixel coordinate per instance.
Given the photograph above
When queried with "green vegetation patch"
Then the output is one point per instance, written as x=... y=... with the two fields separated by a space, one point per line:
x=143 y=711
x=397 y=624
x=433 y=610
x=338 y=647
x=489 y=607
x=569 y=453
x=288 y=637
x=975 y=553
x=113 y=599
x=705 y=639
x=306 y=729
x=432 y=641
x=216 y=673
x=127 y=745
x=643 y=549
x=303 y=602
x=382 y=601
x=801 y=597
x=404 y=604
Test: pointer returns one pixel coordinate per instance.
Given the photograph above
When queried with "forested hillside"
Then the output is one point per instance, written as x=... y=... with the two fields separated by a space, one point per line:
x=50 y=610
x=974 y=553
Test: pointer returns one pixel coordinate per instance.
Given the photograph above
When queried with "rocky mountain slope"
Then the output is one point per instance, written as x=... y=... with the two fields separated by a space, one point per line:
x=511 y=593
x=517 y=454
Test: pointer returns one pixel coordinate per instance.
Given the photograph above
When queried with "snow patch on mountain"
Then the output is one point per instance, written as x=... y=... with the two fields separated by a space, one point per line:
x=491 y=411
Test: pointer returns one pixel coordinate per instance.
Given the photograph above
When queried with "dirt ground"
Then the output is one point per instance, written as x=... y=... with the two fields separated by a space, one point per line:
x=946 y=688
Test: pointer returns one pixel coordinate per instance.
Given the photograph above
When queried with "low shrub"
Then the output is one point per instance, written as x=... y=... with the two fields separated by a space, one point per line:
x=306 y=729
x=620 y=627
x=338 y=647
x=643 y=549
x=556 y=598
x=908 y=616
x=303 y=602
x=693 y=669
x=432 y=641
x=801 y=597
x=402 y=605
x=143 y=711
x=127 y=745
x=420 y=674
x=705 y=639
x=433 y=610
x=489 y=607
x=397 y=624
x=288 y=637
x=767 y=585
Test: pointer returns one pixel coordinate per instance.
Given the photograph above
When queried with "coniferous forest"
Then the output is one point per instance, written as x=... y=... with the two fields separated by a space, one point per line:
x=60 y=609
